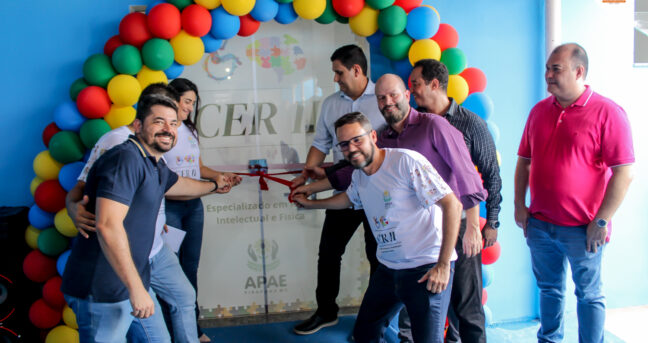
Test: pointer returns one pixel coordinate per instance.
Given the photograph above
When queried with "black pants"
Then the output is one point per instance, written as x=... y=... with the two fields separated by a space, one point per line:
x=465 y=314
x=339 y=226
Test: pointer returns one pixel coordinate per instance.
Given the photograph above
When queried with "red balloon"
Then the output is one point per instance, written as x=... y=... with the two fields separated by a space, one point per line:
x=111 y=44
x=196 y=20
x=476 y=79
x=348 y=8
x=133 y=29
x=50 y=130
x=38 y=267
x=408 y=5
x=43 y=316
x=482 y=223
x=249 y=26
x=93 y=102
x=484 y=296
x=491 y=254
x=446 y=37
x=52 y=293
x=164 y=21
x=50 y=196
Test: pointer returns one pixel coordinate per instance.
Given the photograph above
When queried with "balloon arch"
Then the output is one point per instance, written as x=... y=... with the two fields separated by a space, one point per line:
x=155 y=47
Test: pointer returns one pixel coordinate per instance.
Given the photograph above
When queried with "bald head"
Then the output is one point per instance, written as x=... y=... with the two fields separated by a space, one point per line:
x=576 y=53
x=393 y=99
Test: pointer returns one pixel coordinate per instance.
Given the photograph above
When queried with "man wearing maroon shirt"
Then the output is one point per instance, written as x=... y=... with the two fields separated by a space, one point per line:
x=576 y=157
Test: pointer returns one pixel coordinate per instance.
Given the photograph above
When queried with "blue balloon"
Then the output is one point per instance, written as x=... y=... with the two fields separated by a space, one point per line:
x=69 y=174
x=380 y=65
x=286 y=13
x=422 y=23
x=402 y=68
x=211 y=44
x=40 y=219
x=224 y=25
x=264 y=10
x=494 y=130
x=176 y=69
x=482 y=209
x=479 y=103
x=67 y=116
x=487 y=275
x=62 y=261
x=374 y=40
x=489 y=315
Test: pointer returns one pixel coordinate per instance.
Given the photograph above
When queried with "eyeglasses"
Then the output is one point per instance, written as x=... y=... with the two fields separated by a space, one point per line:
x=344 y=145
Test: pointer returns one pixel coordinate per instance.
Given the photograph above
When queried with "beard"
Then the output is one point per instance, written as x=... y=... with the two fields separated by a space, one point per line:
x=160 y=147
x=367 y=158
x=393 y=117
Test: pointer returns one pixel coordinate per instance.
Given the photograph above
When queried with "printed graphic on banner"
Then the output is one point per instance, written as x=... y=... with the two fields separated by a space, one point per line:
x=260 y=99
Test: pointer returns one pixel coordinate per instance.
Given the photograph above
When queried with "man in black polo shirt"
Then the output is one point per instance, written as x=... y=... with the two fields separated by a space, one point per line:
x=106 y=280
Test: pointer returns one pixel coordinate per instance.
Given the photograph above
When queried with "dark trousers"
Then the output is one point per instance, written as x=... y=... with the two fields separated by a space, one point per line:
x=388 y=291
x=339 y=226
x=187 y=216
x=466 y=314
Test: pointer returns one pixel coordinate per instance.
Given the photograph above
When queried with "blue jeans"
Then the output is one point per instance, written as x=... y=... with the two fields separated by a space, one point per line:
x=551 y=247
x=388 y=291
x=170 y=284
x=109 y=322
x=188 y=216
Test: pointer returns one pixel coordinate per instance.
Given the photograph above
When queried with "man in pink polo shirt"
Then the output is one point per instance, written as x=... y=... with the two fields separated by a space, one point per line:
x=576 y=157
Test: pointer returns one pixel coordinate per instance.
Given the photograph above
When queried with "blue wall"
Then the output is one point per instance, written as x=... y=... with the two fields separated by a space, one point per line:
x=44 y=47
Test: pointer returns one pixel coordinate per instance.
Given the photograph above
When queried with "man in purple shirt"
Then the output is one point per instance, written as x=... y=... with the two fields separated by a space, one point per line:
x=433 y=137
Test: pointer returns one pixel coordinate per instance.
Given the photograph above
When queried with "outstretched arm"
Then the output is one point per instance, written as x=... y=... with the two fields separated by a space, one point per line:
x=339 y=201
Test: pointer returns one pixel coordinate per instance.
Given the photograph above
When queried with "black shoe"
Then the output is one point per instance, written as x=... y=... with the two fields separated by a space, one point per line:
x=313 y=324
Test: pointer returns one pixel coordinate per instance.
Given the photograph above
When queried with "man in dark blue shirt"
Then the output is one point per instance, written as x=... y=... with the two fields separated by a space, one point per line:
x=106 y=280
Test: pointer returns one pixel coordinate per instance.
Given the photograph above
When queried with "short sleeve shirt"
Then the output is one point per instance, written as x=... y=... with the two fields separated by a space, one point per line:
x=184 y=158
x=571 y=151
x=129 y=175
x=399 y=201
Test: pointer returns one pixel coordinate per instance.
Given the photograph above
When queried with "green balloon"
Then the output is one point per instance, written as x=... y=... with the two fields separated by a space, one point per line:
x=51 y=242
x=66 y=147
x=395 y=47
x=92 y=130
x=341 y=19
x=76 y=87
x=157 y=54
x=392 y=20
x=329 y=14
x=180 y=4
x=454 y=59
x=97 y=70
x=379 y=4
x=284 y=1
x=127 y=60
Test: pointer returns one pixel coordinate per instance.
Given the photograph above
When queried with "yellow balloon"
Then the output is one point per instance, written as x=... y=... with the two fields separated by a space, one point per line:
x=309 y=9
x=435 y=11
x=120 y=116
x=188 y=49
x=457 y=88
x=147 y=76
x=238 y=7
x=31 y=236
x=45 y=166
x=499 y=158
x=208 y=4
x=424 y=49
x=365 y=23
x=62 y=334
x=36 y=181
x=63 y=223
x=69 y=318
x=124 y=90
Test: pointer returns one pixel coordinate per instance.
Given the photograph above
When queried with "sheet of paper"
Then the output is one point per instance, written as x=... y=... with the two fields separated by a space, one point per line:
x=173 y=238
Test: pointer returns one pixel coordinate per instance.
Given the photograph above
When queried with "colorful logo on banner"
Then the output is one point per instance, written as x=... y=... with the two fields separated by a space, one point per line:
x=255 y=256
x=220 y=67
x=281 y=54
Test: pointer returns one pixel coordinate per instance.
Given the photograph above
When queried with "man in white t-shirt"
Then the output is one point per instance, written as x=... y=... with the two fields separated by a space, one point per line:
x=403 y=197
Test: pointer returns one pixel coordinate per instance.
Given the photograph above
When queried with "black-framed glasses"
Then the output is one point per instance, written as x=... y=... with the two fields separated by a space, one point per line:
x=344 y=145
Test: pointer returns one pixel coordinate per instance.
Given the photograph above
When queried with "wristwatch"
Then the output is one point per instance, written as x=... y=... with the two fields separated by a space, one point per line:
x=601 y=223
x=215 y=184
x=495 y=224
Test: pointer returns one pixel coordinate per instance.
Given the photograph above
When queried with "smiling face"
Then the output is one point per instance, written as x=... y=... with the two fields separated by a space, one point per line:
x=159 y=129
x=186 y=105
x=393 y=99
x=361 y=149
x=422 y=91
